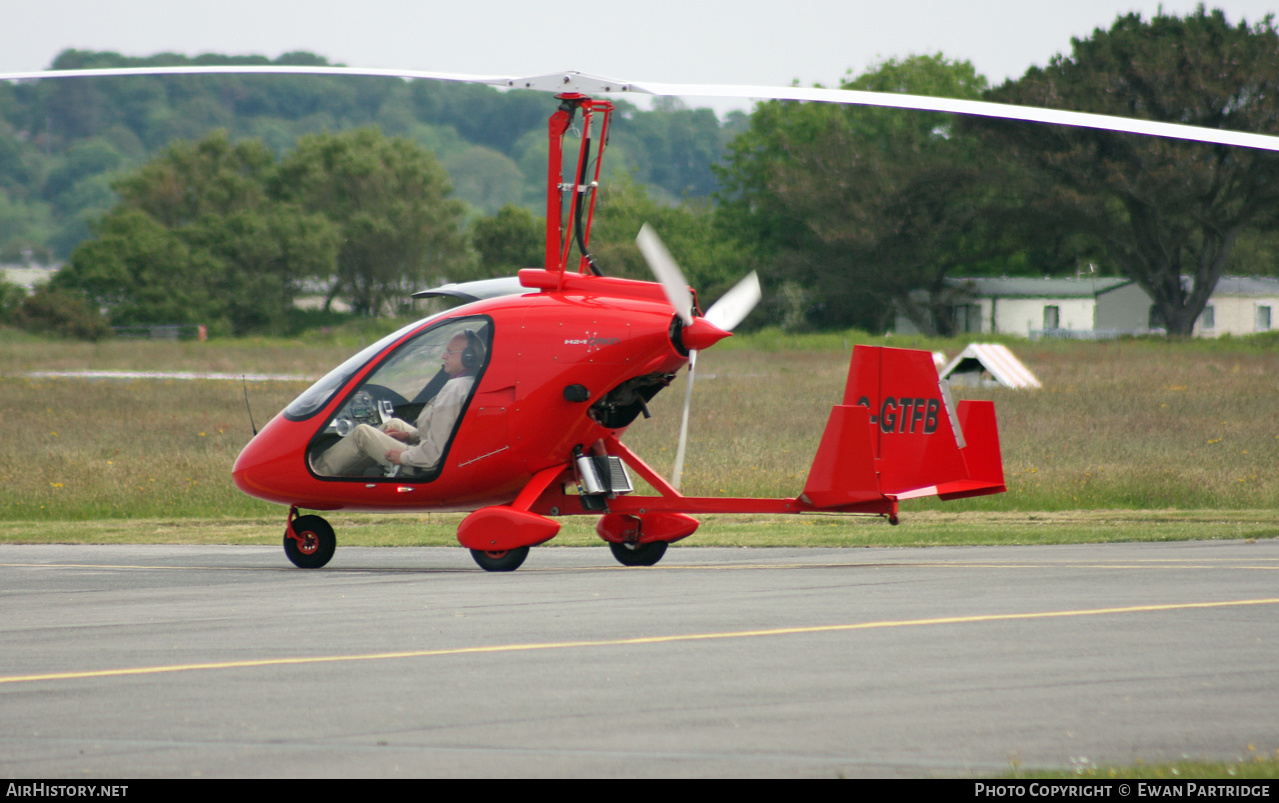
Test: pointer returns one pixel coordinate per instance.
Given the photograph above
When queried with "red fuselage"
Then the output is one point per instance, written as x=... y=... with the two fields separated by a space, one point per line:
x=519 y=419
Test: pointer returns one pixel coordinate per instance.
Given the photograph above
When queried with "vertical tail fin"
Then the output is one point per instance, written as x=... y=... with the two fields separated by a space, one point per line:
x=897 y=435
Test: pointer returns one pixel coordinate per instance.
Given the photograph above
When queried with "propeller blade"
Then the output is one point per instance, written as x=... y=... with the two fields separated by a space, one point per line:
x=683 y=427
x=667 y=272
x=733 y=307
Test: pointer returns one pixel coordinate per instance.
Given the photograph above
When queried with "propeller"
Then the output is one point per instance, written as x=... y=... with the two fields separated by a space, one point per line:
x=724 y=315
x=733 y=307
x=667 y=272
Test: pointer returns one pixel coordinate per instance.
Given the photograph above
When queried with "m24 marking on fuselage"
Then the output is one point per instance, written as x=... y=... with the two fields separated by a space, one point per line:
x=593 y=341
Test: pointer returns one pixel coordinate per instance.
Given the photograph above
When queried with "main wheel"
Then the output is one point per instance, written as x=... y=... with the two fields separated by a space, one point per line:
x=314 y=545
x=638 y=554
x=507 y=560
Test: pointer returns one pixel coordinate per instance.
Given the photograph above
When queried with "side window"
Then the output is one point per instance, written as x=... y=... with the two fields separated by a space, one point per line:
x=1208 y=318
x=1052 y=316
x=412 y=403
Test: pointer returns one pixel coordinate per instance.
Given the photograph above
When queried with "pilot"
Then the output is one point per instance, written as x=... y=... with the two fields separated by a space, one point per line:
x=399 y=443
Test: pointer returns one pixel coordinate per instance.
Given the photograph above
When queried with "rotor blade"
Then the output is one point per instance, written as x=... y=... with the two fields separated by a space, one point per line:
x=980 y=108
x=667 y=272
x=683 y=427
x=733 y=307
x=570 y=81
x=260 y=69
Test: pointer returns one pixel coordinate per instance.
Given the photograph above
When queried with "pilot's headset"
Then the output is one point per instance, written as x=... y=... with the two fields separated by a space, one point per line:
x=473 y=354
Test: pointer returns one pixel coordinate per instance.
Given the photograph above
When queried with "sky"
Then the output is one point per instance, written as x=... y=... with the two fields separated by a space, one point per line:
x=675 y=41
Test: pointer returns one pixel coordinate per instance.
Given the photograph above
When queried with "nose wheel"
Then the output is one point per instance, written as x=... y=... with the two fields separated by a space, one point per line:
x=309 y=542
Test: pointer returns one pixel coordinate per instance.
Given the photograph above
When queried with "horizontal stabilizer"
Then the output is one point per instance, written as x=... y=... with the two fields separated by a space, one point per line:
x=985 y=465
x=843 y=471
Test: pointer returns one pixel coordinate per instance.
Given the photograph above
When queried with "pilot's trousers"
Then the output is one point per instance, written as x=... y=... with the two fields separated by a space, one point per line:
x=358 y=451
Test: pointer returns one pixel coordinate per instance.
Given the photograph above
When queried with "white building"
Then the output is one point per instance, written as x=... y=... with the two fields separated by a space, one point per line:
x=1239 y=305
x=28 y=277
x=1026 y=307
x=1100 y=307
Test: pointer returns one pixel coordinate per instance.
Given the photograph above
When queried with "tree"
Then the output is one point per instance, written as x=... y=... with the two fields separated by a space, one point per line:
x=710 y=261
x=867 y=206
x=44 y=123
x=389 y=200
x=79 y=188
x=672 y=147
x=136 y=269
x=11 y=295
x=19 y=220
x=62 y=313
x=485 y=178
x=509 y=241
x=196 y=238
x=1168 y=213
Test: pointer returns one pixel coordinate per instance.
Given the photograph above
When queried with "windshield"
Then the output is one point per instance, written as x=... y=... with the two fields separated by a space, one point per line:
x=318 y=395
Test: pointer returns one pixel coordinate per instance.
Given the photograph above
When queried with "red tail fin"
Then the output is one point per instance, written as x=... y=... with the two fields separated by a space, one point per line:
x=898 y=436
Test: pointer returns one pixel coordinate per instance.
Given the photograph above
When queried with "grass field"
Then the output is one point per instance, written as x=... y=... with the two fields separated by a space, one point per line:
x=1127 y=440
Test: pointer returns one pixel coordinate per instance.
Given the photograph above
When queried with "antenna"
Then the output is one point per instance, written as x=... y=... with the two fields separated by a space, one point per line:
x=245 y=381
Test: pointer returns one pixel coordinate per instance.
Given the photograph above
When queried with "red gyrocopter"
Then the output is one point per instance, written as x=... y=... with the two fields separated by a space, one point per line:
x=541 y=374
x=559 y=362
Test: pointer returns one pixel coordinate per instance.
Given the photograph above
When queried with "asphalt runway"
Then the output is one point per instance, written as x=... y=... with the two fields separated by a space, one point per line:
x=157 y=661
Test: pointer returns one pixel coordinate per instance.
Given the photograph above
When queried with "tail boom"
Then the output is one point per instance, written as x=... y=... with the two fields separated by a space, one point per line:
x=896 y=436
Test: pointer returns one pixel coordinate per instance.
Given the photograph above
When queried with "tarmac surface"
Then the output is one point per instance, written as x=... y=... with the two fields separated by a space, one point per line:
x=162 y=661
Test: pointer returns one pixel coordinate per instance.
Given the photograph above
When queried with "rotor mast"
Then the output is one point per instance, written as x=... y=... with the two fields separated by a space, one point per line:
x=561 y=233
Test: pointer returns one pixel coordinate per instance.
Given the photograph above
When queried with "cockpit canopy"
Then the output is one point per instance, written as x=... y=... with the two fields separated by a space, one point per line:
x=409 y=401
